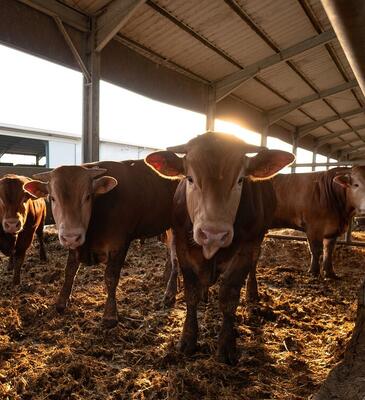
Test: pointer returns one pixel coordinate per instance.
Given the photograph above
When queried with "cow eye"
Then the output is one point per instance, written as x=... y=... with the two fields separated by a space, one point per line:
x=52 y=199
x=190 y=179
x=88 y=197
x=355 y=185
x=240 y=181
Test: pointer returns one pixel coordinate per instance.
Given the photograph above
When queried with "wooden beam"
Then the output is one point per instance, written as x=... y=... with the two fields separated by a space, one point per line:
x=227 y=85
x=114 y=17
x=67 y=14
x=280 y=112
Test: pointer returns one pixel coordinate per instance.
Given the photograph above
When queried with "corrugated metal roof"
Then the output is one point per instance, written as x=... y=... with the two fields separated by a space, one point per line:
x=233 y=34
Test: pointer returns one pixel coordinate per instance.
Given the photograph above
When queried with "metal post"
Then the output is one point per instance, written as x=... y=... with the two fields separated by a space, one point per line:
x=264 y=136
x=210 y=121
x=90 y=128
x=314 y=158
x=328 y=160
x=295 y=148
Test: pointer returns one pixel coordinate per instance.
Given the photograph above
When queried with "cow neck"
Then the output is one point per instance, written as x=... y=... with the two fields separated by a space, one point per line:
x=335 y=197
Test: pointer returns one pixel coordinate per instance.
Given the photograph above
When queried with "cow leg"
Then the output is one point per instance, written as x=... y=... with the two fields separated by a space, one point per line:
x=11 y=262
x=111 y=276
x=40 y=236
x=328 y=247
x=193 y=292
x=316 y=248
x=252 y=293
x=229 y=294
x=171 y=289
x=17 y=261
x=70 y=271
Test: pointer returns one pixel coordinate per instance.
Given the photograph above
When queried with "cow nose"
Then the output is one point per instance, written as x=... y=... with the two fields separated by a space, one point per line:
x=71 y=240
x=12 y=225
x=209 y=236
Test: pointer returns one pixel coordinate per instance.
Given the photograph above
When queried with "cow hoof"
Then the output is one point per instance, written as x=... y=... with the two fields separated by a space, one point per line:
x=169 y=300
x=109 y=323
x=16 y=281
x=315 y=274
x=252 y=298
x=187 y=346
x=331 y=275
x=60 y=308
x=227 y=355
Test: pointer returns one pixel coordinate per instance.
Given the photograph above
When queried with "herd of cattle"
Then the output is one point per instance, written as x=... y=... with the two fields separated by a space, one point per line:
x=216 y=202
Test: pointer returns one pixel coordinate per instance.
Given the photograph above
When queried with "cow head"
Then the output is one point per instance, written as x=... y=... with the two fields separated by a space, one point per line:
x=214 y=167
x=353 y=180
x=71 y=191
x=14 y=203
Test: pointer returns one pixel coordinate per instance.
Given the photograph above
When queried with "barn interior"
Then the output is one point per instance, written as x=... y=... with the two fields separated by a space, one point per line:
x=289 y=69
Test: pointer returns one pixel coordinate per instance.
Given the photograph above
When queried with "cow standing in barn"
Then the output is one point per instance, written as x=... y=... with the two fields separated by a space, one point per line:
x=99 y=209
x=321 y=204
x=220 y=216
x=21 y=217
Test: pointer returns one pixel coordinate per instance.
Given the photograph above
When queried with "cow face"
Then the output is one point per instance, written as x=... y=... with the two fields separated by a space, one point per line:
x=214 y=168
x=71 y=191
x=14 y=203
x=353 y=181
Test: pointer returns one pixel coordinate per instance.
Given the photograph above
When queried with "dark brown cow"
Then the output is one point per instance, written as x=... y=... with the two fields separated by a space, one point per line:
x=320 y=204
x=98 y=216
x=220 y=217
x=21 y=217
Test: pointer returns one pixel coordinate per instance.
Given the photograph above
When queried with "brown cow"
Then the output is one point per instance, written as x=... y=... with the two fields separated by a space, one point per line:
x=21 y=217
x=98 y=216
x=321 y=204
x=171 y=273
x=220 y=217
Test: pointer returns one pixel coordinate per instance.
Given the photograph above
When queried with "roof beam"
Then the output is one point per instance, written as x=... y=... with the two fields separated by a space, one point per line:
x=340 y=146
x=114 y=17
x=68 y=15
x=280 y=112
x=353 y=150
x=227 y=85
x=323 y=139
x=305 y=129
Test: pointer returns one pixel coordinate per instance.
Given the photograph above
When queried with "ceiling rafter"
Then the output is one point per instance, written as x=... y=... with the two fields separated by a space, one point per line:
x=304 y=130
x=115 y=15
x=323 y=139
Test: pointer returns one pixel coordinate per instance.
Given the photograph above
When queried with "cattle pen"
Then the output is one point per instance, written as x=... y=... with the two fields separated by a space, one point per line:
x=291 y=70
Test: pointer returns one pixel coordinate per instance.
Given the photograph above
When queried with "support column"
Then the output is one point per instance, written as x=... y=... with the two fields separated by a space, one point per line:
x=327 y=166
x=314 y=158
x=264 y=136
x=91 y=94
x=295 y=148
x=210 y=122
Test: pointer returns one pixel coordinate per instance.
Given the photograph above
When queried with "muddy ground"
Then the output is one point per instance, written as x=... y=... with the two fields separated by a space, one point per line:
x=287 y=344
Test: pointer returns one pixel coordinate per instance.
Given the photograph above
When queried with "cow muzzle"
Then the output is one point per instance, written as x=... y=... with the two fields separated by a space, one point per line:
x=72 y=238
x=212 y=240
x=12 y=225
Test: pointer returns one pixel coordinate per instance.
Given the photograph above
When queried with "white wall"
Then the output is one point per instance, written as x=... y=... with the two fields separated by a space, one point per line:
x=62 y=153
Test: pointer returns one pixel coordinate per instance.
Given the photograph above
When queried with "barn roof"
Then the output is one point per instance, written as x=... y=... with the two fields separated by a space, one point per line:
x=281 y=59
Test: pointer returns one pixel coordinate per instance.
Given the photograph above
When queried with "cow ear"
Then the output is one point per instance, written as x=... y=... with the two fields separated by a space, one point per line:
x=267 y=163
x=104 y=184
x=166 y=163
x=36 y=189
x=344 y=180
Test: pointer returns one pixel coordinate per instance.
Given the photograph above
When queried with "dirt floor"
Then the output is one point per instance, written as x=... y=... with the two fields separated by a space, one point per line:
x=287 y=344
